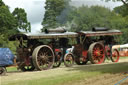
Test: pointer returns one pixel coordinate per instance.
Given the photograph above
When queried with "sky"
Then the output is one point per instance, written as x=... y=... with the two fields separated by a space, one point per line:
x=35 y=9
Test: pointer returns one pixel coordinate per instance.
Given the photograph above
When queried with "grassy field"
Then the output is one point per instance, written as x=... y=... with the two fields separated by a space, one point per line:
x=66 y=76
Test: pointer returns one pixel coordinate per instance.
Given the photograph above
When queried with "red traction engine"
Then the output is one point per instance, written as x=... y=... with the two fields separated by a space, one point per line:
x=96 y=45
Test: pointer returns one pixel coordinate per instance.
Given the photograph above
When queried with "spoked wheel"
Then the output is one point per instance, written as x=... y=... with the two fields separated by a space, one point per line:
x=81 y=60
x=43 y=57
x=58 y=60
x=115 y=55
x=2 y=71
x=68 y=60
x=96 y=53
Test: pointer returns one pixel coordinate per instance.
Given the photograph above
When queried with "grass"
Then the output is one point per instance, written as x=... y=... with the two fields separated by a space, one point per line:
x=11 y=69
x=124 y=57
x=57 y=80
x=60 y=76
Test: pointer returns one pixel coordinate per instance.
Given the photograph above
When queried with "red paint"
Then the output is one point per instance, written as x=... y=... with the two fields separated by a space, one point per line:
x=84 y=53
x=115 y=55
x=98 y=54
x=57 y=50
x=27 y=61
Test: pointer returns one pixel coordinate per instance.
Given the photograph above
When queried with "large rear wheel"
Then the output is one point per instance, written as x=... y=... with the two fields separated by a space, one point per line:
x=96 y=53
x=43 y=57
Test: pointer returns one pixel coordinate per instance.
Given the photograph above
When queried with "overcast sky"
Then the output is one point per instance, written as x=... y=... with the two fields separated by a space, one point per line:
x=35 y=8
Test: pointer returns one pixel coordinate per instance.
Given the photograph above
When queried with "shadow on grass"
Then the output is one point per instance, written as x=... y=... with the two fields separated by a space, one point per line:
x=104 y=68
x=15 y=70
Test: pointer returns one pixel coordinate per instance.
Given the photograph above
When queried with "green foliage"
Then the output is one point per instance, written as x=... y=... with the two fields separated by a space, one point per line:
x=8 y=26
x=84 y=18
x=122 y=10
x=2 y=40
x=65 y=76
x=1 y=3
x=21 y=19
x=4 y=43
x=7 y=21
x=53 y=10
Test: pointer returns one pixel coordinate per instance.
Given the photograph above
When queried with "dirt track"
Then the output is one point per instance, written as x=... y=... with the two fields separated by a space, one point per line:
x=105 y=79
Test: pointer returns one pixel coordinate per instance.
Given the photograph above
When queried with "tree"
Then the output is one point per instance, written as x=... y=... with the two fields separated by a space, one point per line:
x=2 y=3
x=122 y=10
x=7 y=21
x=7 y=25
x=53 y=9
x=84 y=18
x=21 y=19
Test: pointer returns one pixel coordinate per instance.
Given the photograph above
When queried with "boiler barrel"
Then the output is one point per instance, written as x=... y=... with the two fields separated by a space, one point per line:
x=60 y=30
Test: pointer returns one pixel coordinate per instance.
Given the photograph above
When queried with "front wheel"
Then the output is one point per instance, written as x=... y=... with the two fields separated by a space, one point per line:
x=2 y=71
x=68 y=60
x=115 y=56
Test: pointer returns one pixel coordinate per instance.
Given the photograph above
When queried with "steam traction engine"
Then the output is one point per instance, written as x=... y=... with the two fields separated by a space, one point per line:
x=95 y=46
x=48 y=49
x=43 y=50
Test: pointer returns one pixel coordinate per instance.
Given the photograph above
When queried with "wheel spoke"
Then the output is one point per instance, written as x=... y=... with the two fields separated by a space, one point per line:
x=68 y=60
x=96 y=53
x=115 y=56
x=45 y=57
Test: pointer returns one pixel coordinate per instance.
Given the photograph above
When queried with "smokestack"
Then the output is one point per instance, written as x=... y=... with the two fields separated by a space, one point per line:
x=99 y=29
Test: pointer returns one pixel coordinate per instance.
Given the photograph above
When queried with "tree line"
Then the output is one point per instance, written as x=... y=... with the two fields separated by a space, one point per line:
x=10 y=23
x=84 y=17
x=61 y=13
